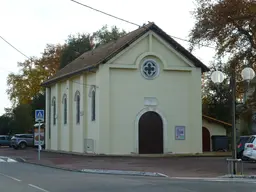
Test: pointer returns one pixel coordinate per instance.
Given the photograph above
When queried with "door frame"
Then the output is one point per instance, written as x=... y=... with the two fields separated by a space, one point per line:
x=165 y=132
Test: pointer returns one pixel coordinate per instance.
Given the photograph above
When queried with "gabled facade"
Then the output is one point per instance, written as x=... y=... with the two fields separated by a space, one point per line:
x=139 y=94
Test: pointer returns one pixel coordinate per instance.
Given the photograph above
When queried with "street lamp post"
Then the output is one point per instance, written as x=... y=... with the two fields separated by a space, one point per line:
x=218 y=77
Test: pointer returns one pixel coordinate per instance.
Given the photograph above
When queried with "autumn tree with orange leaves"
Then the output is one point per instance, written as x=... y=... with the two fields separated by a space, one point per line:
x=26 y=85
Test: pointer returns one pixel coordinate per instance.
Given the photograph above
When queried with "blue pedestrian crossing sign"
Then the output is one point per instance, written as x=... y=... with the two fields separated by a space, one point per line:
x=39 y=115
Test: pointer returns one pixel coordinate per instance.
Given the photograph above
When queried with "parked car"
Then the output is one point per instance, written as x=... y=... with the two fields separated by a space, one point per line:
x=21 y=141
x=240 y=145
x=5 y=140
x=250 y=148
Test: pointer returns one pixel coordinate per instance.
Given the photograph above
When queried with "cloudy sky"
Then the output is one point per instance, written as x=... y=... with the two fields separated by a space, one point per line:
x=30 y=24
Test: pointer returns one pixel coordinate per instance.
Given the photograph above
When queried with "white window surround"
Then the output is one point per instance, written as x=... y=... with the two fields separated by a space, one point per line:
x=150 y=69
x=54 y=110
x=136 y=125
x=77 y=100
x=65 y=108
x=93 y=105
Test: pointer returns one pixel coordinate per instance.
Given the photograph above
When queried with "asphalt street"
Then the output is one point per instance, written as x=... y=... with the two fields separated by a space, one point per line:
x=20 y=177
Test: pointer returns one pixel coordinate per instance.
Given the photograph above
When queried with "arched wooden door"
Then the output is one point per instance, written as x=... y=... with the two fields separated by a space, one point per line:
x=206 y=139
x=151 y=134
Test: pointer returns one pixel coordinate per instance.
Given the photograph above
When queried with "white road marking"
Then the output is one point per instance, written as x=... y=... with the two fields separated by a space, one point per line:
x=4 y=159
x=13 y=178
x=39 y=188
x=11 y=160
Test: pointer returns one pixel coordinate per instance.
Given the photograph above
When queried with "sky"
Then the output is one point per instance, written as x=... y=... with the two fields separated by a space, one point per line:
x=29 y=25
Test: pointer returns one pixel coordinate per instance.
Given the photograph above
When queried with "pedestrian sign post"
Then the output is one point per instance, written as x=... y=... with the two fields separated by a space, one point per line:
x=39 y=117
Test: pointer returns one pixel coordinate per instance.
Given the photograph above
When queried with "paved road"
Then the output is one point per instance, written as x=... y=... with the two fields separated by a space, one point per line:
x=21 y=177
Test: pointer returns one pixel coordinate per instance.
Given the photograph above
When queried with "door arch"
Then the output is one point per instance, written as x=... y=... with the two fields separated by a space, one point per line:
x=206 y=139
x=151 y=134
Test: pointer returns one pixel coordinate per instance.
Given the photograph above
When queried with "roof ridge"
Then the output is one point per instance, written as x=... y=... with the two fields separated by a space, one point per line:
x=105 y=45
x=103 y=53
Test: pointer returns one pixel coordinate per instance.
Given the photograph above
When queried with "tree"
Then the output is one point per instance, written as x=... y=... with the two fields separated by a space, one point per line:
x=76 y=45
x=24 y=86
x=38 y=102
x=231 y=26
x=104 y=35
x=6 y=124
x=23 y=120
x=217 y=97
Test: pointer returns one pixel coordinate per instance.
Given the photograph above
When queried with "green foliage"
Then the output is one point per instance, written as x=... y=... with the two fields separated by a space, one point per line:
x=231 y=26
x=104 y=35
x=217 y=98
x=23 y=120
x=6 y=125
x=24 y=88
x=75 y=46
x=25 y=85
x=38 y=102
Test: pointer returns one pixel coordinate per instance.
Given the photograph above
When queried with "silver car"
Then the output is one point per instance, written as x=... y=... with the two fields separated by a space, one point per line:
x=21 y=141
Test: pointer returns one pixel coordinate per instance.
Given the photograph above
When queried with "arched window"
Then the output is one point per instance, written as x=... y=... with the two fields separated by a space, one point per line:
x=65 y=109
x=77 y=100
x=93 y=105
x=54 y=110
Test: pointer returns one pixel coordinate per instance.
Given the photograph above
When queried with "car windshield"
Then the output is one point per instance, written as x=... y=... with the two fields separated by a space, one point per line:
x=19 y=136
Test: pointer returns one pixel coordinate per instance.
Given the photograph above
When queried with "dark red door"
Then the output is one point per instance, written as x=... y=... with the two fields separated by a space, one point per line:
x=206 y=139
x=150 y=133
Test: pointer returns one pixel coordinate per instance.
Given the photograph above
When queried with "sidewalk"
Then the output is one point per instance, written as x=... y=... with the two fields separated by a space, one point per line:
x=174 y=166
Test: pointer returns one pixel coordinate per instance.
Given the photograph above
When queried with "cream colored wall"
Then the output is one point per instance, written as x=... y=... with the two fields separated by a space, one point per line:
x=92 y=128
x=214 y=129
x=122 y=92
x=77 y=138
x=64 y=144
x=71 y=137
x=120 y=96
x=54 y=128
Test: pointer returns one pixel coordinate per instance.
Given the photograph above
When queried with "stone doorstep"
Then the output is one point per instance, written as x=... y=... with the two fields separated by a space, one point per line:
x=210 y=154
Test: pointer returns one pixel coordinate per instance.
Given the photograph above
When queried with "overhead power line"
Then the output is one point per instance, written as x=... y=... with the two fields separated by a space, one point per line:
x=124 y=20
x=14 y=47
x=1 y=69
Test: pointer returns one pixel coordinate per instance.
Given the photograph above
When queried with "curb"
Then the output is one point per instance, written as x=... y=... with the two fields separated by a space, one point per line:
x=101 y=171
x=20 y=159
x=239 y=176
x=136 y=155
x=120 y=172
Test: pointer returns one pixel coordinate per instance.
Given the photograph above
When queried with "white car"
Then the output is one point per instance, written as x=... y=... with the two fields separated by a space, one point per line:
x=250 y=148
